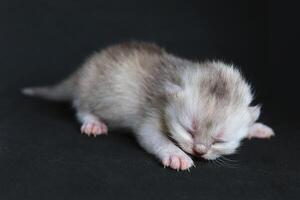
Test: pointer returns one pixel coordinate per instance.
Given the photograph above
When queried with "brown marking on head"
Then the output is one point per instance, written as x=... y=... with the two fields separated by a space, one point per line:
x=219 y=88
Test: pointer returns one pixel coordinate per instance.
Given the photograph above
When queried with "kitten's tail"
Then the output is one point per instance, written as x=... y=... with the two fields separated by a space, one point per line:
x=63 y=91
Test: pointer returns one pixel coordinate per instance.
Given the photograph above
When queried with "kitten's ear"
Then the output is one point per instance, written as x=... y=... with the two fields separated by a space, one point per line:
x=259 y=130
x=172 y=88
x=254 y=112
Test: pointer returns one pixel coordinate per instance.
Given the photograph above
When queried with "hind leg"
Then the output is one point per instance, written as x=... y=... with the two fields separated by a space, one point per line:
x=91 y=124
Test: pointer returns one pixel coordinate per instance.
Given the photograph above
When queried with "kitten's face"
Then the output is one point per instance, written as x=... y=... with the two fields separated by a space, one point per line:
x=207 y=129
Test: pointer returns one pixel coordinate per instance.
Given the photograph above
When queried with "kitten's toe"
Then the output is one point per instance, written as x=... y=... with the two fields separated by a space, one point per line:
x=94 y=128
x=178 y=162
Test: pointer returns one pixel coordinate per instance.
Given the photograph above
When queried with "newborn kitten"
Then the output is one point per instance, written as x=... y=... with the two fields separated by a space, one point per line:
x=174 y=106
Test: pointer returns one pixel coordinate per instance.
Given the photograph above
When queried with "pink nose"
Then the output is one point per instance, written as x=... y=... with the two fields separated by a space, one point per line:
x=200 y=149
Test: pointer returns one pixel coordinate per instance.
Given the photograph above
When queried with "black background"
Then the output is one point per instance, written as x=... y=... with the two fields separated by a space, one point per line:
x=42 y=154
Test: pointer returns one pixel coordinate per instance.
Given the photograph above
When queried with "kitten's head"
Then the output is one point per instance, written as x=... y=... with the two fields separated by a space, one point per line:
x=208 y=111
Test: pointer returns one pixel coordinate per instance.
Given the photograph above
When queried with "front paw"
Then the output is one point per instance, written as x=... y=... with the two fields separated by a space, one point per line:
x=177 y=161
x=259 y=130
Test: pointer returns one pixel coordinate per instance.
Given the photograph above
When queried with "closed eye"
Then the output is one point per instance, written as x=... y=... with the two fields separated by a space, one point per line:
x=190 y=131
x=218 y=141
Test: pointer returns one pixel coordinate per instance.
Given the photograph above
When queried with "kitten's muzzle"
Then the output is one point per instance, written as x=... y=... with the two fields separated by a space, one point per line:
x=200 y=150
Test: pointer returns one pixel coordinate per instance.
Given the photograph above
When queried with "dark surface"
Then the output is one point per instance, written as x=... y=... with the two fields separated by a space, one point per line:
x=42 y=154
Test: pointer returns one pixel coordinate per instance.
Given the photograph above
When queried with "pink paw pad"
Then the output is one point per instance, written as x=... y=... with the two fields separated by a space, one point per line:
x=94 y=128
x=177 y=162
